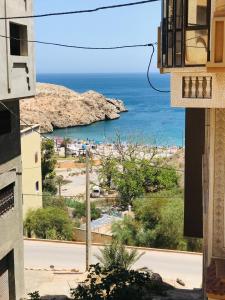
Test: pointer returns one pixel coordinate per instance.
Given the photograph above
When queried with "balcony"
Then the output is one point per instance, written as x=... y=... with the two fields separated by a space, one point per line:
x=6 y=199
x=197 y=87
x=184 y=34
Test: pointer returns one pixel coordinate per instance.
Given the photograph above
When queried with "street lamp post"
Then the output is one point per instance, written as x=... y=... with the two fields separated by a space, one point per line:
x=88 y=212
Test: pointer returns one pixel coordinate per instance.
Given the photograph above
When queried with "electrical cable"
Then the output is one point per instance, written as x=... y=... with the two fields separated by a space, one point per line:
x=106 y=198
x=79 y=11
x=78 y=47
x=148 y=71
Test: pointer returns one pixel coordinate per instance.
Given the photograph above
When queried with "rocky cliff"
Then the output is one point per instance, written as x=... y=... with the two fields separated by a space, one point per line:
x=59 y=107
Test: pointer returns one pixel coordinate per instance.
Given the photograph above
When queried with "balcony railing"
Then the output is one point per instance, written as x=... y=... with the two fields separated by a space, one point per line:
x=197 y=87
x=6 y=199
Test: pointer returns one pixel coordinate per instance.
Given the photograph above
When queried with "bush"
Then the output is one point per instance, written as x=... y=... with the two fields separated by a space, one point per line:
x=116 y=255
x=49 y=223
x=80 y=209
x=118 y=284
x=53 y=201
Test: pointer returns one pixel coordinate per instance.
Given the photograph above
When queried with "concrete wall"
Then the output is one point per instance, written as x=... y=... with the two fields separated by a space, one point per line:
x=19 y=74
x=10 y=142
x=11 y=227
x=31 y=169
x=80 y=236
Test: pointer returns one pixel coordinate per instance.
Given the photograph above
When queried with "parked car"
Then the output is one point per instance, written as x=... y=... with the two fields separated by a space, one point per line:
x=96 y=192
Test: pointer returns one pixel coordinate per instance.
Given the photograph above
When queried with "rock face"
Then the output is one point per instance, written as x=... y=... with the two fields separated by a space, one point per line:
x=58 y=107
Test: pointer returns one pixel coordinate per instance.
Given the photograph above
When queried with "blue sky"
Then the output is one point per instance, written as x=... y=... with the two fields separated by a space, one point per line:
x=130 y=25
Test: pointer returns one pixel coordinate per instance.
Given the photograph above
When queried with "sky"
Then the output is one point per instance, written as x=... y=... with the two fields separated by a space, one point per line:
x=129 y=25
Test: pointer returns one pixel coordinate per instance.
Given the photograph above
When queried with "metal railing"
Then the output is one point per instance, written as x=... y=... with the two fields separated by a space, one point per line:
x=6 y=199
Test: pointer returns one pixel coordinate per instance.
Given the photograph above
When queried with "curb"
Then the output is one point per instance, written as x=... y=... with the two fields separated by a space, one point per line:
x=100 y=244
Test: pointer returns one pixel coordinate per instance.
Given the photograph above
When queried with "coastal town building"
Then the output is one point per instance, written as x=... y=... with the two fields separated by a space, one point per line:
x=192 y=50
x=31 y=167
x=16 y=81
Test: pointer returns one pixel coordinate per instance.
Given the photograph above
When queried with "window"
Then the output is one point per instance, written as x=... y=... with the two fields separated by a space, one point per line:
x=18 y=39
x=36 y=157
x=7 y=277
x=5 y=122
x=37 y=186
x=6 y=199
x=185 y=33
x=197 y=32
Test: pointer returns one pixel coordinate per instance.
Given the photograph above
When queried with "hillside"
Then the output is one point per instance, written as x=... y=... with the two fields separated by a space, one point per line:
x=58 y=107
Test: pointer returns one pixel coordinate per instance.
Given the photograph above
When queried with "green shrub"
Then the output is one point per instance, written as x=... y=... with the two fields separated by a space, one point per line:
x=49 y=223
x=118 y=284
x=117 y=255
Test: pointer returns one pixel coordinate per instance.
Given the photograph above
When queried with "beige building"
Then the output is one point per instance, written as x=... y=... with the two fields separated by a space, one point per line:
x=16 y=81
x=192 y=50
x=31 y=168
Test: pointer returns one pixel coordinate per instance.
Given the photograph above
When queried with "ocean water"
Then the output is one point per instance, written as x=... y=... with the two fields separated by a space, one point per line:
x=149 y=117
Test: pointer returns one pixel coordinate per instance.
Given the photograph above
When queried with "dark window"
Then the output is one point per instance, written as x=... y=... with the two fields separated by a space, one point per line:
x=5 y=122
x=18 y=41
x=37 y=186
x=6 y=199
x=7 y=277
x=36 y=157
x=185 y=32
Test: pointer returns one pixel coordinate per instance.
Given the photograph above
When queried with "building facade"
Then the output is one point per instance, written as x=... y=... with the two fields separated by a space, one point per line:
x=31 y=168
x=16 y=81
x=192 y=50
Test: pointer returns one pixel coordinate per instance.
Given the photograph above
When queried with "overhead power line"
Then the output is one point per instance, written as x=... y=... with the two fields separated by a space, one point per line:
x=73 y=12
x=77 y=46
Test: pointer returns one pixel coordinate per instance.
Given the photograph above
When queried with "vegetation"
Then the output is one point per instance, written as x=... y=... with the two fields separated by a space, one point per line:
x=134 y=177
x=118 y=284
x=49 y=223
x=34 y=296
x=80 y=209
x=116 y=255
x=157 y=222
x=49 y=200
x=48 y=163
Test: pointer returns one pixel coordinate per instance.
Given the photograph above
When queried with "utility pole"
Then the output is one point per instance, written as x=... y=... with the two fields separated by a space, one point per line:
x=88 y=212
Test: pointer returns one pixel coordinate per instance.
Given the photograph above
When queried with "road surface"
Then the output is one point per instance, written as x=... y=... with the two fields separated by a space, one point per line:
x=169 y=265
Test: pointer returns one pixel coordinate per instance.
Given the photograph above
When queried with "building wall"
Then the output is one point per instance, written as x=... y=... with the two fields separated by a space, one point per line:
x=31 y=169
x=19 y=74
x=11 y=227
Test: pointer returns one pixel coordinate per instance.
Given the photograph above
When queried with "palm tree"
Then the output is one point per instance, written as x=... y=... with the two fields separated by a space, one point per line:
x=116 y=255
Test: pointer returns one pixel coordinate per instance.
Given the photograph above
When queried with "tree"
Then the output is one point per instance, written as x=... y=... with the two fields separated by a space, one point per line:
x=59 y=181
x=49 y=223
x=117 y=256
x=65 y=143
x=158 y=177
x=129 y=182
x=48 y=163
x=108 y=171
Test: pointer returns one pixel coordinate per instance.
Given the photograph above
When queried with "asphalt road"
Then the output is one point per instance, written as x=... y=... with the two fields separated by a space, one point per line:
x=170 y=265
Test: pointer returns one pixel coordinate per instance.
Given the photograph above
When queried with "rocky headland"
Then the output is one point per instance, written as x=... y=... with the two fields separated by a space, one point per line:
x=55 y=106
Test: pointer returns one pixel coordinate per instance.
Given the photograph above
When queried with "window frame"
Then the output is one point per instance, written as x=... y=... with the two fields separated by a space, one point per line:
x=183 y=30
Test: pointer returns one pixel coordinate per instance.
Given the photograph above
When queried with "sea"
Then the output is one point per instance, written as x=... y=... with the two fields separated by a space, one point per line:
x=149 y=119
